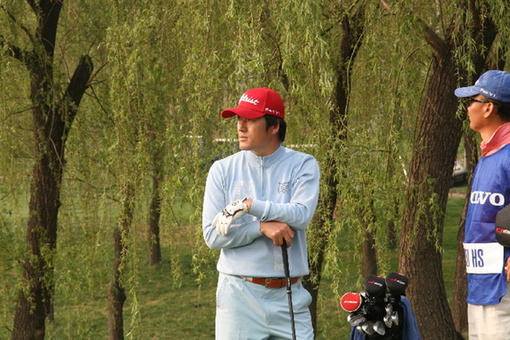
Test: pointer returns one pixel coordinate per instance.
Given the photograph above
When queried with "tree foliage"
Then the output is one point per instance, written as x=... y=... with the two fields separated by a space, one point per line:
x=164 y=71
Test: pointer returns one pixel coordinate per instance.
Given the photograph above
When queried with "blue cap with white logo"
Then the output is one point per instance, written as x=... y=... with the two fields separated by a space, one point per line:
x=492 y=84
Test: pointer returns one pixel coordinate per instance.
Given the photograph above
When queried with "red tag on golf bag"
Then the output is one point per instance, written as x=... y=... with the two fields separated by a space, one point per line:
x=503 y=226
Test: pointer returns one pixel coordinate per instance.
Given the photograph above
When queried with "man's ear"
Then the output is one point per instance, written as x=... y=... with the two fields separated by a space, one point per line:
x=275 y=129
x=490 y=109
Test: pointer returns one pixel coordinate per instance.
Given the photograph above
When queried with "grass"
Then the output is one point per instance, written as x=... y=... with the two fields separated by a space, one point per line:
x=167 y=302
x=158 y=306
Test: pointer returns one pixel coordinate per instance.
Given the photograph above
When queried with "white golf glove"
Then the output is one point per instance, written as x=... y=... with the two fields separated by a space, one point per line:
x=228 y=215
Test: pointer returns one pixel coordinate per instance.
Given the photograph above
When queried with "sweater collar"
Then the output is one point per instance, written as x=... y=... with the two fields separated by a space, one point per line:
x=499 y=138
x=267 y=159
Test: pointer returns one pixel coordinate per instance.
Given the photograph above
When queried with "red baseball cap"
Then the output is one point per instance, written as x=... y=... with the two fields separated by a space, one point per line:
x=256 y=103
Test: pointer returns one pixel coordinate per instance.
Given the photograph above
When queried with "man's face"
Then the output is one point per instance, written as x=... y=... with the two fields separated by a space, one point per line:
x=476 y=109
x=253 y=135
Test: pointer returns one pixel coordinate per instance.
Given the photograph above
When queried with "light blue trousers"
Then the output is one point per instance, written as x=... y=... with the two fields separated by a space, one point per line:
x=490 y=322
x=248 y=311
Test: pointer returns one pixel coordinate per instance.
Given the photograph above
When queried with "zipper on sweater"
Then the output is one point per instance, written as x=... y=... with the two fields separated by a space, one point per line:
x=262 y=177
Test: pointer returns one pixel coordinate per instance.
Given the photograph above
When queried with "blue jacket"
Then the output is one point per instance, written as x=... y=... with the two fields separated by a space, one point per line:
x=490 y=192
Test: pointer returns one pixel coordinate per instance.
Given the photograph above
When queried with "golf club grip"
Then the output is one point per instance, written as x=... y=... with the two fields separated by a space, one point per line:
x=285 y=257
x=286 y=270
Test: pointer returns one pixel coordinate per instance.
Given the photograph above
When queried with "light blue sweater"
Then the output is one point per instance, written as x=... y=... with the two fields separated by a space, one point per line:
x=284 y=187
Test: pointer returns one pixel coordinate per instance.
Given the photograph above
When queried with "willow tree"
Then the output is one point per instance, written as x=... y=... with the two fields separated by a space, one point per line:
x=53 y=112
x=435 y=148
x=125 y=43
x=162 y=123
x=345 y=37
x=476 y=60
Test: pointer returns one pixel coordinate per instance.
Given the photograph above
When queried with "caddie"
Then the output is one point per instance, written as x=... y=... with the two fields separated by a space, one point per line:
x=487 y=261
x=255 y=200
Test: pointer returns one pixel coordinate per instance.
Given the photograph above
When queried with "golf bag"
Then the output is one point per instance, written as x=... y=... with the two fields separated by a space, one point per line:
x=381 y=312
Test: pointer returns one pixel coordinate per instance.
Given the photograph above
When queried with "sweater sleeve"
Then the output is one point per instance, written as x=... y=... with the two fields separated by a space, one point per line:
x=215 y=200
x=298 y=212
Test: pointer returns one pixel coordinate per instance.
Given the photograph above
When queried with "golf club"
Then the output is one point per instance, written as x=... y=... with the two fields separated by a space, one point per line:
x=389 y=308
x=379 y=327
x=387 y=320
x=375 y=286
x=368 y=327
x=289 y=289
x=397 y=284
x=356 y=319
x=395 y=318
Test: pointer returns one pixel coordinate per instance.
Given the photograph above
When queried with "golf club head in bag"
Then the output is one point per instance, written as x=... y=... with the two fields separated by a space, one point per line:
x=379 y=328
x=503 y=226
x=368 y=328
x=356 y=319
x=375 y=286
x=397 y=284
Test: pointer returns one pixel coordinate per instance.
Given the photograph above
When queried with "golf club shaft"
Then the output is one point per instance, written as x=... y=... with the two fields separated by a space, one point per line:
x=289 y=288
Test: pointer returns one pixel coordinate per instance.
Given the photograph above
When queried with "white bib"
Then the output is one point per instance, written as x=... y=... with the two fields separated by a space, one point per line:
x=484 y=258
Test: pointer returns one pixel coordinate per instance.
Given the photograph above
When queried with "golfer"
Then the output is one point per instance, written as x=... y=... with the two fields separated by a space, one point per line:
x=254 y=201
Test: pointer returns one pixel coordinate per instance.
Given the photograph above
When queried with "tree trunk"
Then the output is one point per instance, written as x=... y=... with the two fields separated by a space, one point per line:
x=154 y=240
x=459 y=305
x=35 y=303
x=318 y=242
x=52 y=119
x=369 y=266
x=436 y=144
x=327 y=204
x=439 y=133
x=116 y=292
x=369 y=262
x=155 y=211
x=392 y=235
